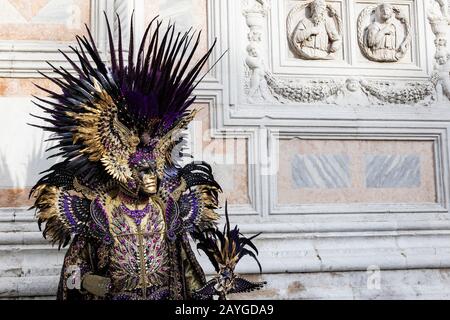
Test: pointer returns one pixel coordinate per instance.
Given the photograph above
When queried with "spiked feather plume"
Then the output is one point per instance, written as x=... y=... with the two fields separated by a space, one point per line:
x=228 y=247
x=224 y=250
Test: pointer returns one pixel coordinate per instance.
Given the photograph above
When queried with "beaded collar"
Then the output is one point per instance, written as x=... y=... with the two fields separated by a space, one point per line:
x=136 y=215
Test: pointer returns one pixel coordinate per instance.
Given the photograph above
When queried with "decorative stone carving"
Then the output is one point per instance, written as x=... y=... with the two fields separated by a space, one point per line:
x=354 y=95
x=311 y=91
x=316 y=37
x=262 y=87
x=257 y=83
x=382 y=40
x=443 y=4
x=254 y=12
x=352 y=91
x=442 y=72
x=438 y=17
x=411 y=93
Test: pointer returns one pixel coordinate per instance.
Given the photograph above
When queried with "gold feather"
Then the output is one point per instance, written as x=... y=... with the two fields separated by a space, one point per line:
x=104 y=137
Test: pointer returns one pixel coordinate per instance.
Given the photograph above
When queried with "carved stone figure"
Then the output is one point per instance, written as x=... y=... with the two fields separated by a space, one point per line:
x=438 y=16
x=318 y=36
x=352 y=94
x=382 y=34
x=439 y=21
x=443 y=4
x=381 y=40
x=442 y=70
x=257 y=85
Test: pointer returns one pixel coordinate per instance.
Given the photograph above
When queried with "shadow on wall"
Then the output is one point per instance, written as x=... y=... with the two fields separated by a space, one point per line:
x=22 y=173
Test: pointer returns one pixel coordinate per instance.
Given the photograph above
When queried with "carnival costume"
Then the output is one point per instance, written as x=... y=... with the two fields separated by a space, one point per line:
x=118 y=197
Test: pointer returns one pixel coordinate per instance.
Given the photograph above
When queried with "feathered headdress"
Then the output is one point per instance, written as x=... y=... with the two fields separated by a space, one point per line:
x=110 y=117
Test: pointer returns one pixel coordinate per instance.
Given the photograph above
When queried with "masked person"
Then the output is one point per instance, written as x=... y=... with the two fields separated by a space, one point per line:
x=118 y=197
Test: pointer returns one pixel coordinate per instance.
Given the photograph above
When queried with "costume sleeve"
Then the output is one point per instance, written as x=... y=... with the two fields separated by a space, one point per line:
x=194 y=276
x=77 y=264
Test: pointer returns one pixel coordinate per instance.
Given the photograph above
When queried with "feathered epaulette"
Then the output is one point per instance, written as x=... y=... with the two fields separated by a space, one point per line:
x=224 y=250
x=62 y=213
x=199 y=205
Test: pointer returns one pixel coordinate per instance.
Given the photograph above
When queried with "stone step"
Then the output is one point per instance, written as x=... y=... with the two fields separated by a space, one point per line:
x=16 y=215
x=40 y=258
x=35 y=286
x=22 y=238
x=52 y=297
x=30 y=266
x=19 y=226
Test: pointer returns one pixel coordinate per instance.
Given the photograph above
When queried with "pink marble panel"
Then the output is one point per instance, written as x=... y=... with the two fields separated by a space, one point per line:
x=228 y=158
x=355 y=190
x=44 y=20
x=186 y=14
x=19 y=87
x=10 y=198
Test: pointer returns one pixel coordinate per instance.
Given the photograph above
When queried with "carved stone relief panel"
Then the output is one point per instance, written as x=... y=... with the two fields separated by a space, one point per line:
x=255 y=12
x=314 y=30
x=384 y=32
x=387 y=36
x=344 y=52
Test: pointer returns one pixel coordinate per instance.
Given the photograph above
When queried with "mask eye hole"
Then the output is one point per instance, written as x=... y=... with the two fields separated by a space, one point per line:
x=145 y=171
x=142 y=172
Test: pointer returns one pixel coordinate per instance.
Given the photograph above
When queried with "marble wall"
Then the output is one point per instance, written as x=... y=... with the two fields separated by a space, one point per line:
x=356 y=171
x=228 y=157
x=44 y=20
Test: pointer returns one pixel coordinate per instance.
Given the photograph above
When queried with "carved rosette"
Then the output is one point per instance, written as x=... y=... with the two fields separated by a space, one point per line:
x=362 y=30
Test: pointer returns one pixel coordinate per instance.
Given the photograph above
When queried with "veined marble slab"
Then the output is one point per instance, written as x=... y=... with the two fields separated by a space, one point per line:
x=393 y=171
x=325 y=171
